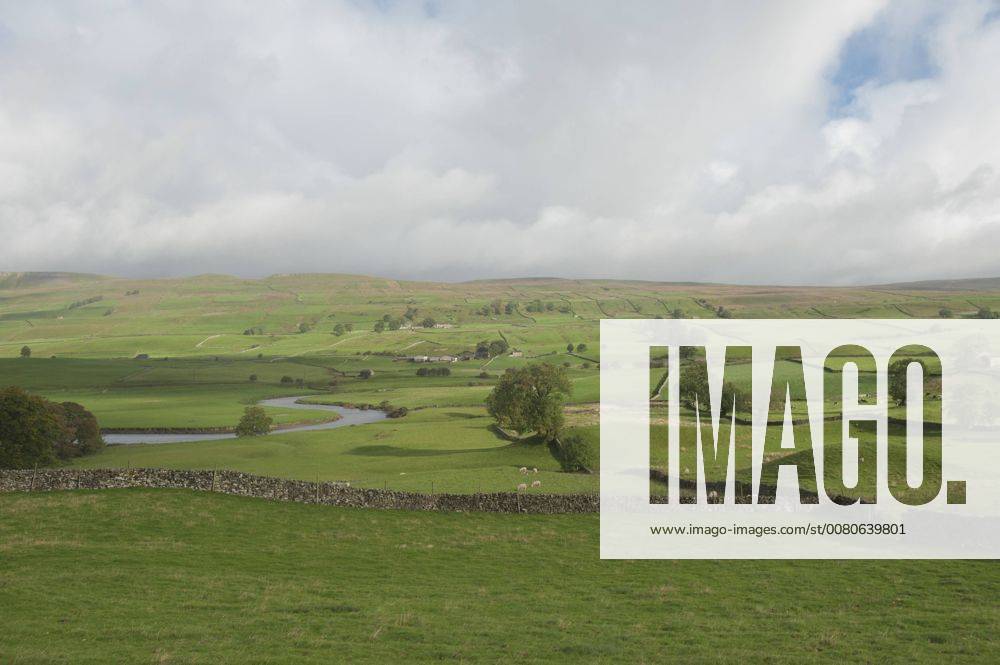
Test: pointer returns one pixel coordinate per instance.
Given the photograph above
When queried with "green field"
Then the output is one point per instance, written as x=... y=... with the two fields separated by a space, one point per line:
x=179 y=577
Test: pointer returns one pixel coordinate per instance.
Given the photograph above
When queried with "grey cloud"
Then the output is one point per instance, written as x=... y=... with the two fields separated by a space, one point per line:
x=659 y=141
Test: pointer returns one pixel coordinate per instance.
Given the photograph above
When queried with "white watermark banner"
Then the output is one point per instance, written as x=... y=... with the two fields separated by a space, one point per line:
x=822 y=439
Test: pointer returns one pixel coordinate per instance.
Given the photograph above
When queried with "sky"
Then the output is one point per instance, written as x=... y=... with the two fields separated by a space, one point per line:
x=776 y=142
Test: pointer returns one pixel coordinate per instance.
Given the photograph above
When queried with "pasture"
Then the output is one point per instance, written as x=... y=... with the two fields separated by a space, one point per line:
x=174 y=576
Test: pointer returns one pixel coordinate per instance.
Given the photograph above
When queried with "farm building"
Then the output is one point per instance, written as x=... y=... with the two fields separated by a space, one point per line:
x=516 y=354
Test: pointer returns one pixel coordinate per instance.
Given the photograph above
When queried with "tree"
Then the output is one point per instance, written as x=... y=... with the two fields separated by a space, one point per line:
x=338 y=329
x=897 y=378
x=694 y=389
x=253 y=378
x=379 y=326
x=287 y=379
x=570 y=347
x=428 y=322
x=366 y=374
x=81 y=433
x=254 y=422
x=580 y=348
x=677 y=313
x=945 y=313
x=529 y=399
x=25 y=351
x=349 y=327
x=986 y=313
x=497 y=347
x=304 y=327
x=29 y=426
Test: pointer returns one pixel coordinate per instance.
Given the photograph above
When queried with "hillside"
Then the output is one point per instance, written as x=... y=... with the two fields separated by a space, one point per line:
x=91 y=316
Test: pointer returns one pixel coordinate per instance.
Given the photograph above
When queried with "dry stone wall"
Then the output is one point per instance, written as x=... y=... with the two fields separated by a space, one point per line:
x=278 y=489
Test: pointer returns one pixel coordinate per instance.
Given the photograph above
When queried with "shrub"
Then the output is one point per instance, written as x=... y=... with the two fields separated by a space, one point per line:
x=398 y=413
x=25 y=351
x=575 y=454
x=287 y=379
x=253 y=378
x=366 y=374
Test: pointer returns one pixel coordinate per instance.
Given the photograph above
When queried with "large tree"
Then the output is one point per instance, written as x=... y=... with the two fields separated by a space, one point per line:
x=530 y=399
x=35 y=431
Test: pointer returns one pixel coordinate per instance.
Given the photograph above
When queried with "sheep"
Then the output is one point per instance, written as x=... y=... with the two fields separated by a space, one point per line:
x=523 y=469
x=537 y=483
x=522 y=487
x=534 y=469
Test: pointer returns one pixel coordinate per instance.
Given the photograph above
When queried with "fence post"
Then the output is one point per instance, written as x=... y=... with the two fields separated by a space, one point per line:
x=215 y=479
x=33 y=474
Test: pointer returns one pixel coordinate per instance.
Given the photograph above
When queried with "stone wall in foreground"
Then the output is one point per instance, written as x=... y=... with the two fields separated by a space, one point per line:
x=278 y=489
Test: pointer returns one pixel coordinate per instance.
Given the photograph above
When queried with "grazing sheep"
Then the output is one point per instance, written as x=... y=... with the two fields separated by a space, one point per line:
x=523 y=469
x=537 y=483
x=534 y=469
x=522 y=487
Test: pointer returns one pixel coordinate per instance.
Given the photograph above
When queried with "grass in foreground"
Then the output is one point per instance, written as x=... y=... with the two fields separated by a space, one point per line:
x=173 y=576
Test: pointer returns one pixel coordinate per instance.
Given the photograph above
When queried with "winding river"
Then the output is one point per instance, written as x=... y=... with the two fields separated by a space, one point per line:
x=347 y=417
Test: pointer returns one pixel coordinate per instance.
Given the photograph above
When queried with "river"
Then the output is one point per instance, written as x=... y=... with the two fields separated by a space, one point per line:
x=347 y=417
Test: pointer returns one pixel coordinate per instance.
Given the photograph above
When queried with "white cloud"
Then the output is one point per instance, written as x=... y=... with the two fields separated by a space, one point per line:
x=687 y=141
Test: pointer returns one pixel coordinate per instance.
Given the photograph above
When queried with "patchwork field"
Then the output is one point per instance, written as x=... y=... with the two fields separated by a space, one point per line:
x=182 y=577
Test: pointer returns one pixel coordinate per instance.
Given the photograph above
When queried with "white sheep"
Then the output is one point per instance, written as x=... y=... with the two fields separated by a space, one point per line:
x=523 y=469
x=537 y=483
x=534 y=469
x=522 y=487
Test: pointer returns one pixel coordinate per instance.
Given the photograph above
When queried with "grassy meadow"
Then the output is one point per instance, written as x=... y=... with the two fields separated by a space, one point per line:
x=181 y=577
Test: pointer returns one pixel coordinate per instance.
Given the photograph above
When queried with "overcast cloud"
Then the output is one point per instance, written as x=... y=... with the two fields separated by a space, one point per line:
x=779 y=142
